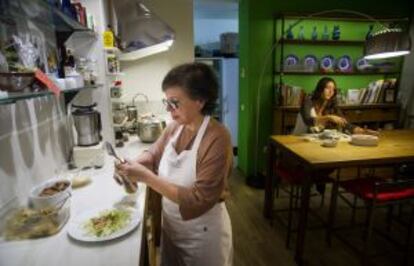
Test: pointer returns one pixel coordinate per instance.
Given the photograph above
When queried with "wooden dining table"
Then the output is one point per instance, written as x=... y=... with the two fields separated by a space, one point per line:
x=394 y=147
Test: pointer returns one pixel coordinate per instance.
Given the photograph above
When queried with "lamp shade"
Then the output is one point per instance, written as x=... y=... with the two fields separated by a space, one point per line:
x=387 y=43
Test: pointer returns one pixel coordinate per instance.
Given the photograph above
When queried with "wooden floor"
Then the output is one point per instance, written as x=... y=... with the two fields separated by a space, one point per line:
x=257 y=243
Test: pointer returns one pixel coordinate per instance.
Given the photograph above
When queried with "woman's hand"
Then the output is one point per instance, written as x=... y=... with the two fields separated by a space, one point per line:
x=133 y=170
x=340 y=121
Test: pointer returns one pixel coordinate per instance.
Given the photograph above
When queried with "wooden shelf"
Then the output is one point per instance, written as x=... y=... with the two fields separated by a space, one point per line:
x=339 y=16
x=335 y=73
x=323 y=42
x=346 y=106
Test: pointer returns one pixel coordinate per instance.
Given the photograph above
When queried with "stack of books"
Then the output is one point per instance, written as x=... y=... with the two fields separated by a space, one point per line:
x=379 y=91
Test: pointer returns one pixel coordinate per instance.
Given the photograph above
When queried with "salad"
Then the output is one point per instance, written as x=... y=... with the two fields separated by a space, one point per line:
x=107 y=222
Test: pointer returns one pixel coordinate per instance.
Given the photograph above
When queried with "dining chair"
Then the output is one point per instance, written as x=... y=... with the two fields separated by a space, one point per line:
x=375 y=193
x=293 y=178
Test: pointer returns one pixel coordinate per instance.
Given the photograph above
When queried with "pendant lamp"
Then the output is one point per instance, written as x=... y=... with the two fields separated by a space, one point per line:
x=387 y=43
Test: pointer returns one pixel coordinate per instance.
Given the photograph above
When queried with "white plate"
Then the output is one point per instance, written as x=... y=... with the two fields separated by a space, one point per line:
x=77 y=231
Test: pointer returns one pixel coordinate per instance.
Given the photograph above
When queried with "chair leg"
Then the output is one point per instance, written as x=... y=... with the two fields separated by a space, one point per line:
x=331 y=214
x=390 y=212
x=290 y=213
x=354 y=207
x=367 y=233
x=408 y=239
x=322 y=200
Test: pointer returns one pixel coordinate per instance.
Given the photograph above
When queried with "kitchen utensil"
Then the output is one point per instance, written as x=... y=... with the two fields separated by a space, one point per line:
x=150 y=128
x=88 y=124
x=130 y=187
x=132 y=112
x=111 y=151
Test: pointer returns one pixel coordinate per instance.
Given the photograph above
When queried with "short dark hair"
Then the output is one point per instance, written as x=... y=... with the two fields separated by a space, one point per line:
x=198 y=80
x=320 y=86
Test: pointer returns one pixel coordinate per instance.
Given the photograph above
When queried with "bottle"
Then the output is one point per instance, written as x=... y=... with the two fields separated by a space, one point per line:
x=301 y=35
x=336 y=33
x=325 y=34
x=108 y=38
x=314 y=34
x=369 y=33
x=289 y=34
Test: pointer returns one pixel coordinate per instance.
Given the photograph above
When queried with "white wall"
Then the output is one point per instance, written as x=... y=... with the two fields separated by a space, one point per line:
x=34 y=144
x=145 y=75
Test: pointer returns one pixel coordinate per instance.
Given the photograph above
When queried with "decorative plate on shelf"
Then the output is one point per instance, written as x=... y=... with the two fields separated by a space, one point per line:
x=327 y=63
x=291 y=60
x=310 y=63
x=362 y=64
x=344 y=63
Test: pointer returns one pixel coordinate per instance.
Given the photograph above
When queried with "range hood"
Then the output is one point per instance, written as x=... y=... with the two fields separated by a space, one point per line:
x=142 y=33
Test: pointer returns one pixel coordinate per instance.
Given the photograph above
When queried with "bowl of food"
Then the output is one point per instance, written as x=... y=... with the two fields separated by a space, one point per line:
x=16 y=81
x=329 y=143
x=364 y=140
x=51 y=193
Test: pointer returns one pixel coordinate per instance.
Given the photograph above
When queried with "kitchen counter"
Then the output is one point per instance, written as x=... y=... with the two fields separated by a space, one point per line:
x=62 y=250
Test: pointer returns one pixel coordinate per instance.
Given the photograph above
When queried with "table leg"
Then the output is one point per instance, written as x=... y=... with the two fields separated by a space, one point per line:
x=303 y=220
x=269 y=186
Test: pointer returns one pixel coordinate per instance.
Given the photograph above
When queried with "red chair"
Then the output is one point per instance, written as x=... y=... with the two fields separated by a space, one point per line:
x=294 y=178
x=376 y=192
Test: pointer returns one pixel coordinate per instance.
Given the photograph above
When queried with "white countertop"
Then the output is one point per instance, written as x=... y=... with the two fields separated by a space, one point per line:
x=62 y=250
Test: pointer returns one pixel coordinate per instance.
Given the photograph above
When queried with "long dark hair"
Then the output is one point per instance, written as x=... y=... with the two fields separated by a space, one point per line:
x=317 y=93
x=198 y=80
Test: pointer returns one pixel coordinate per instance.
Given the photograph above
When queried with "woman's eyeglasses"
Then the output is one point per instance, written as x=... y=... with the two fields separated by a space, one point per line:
x=172 y=104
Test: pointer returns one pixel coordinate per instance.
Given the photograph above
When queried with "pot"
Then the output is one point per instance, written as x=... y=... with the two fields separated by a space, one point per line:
x=150 y=128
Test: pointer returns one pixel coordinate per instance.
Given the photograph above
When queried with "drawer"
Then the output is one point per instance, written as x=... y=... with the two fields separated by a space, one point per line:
x=371 y=115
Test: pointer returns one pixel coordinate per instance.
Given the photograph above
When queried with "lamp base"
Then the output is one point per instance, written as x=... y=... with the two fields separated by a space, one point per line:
x=256 y=181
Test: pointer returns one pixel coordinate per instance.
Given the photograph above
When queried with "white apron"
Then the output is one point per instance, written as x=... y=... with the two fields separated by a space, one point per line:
x=205 y=240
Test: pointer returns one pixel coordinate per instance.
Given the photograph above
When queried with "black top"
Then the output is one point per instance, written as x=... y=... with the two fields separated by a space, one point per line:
x=330 y=109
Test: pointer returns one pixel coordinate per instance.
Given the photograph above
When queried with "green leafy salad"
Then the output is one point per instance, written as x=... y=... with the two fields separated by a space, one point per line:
x=107 y=222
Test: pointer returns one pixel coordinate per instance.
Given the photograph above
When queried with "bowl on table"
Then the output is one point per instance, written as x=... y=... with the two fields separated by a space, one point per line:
x=51 y=193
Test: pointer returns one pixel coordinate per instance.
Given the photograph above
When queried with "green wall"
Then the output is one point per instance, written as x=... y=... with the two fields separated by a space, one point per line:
x=256 y=33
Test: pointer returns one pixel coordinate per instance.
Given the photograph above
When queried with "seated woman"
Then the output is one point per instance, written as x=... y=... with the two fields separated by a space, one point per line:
x=320 y=111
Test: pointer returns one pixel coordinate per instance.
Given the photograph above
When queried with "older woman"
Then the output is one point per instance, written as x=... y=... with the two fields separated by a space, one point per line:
x=189 y=166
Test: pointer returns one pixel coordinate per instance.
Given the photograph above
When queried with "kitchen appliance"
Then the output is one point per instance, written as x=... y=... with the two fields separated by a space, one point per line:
x=89 y=150
x=88 y=124
x=150 y=128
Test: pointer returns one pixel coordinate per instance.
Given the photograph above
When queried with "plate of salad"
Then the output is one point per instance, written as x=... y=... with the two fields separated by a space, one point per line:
x=103 y=224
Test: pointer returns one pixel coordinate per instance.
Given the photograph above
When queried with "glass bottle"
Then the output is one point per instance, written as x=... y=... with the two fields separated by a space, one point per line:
x=314 y=36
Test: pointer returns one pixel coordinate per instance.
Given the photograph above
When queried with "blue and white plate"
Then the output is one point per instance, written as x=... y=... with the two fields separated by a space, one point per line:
x=344 y=64
x=291 y=60
x=310 y=60
x=327 y=63
x=362 y=64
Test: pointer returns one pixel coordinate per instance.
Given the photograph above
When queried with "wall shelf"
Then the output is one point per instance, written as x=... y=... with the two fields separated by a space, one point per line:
x=70 y=93
x=335 y=73
x=323 y=42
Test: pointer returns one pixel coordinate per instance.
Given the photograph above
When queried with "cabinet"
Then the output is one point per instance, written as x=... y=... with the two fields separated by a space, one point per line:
x=45 y=29
x=305 y=52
